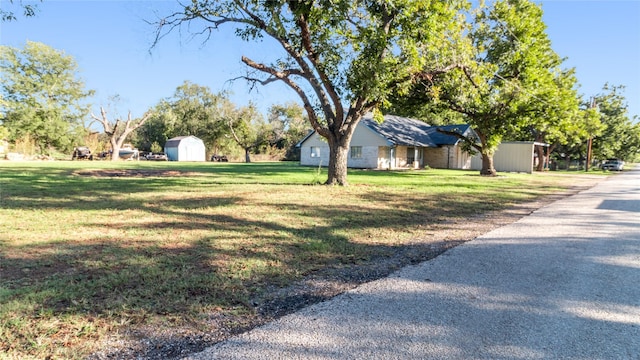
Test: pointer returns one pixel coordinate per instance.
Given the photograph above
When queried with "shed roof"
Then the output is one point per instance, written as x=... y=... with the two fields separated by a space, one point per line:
x=175 y=142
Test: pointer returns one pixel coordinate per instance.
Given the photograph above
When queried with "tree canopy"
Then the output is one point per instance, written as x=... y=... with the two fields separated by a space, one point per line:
x=509 y=73
x=42 y=97
x=288 y=125
x=343 y=58
x=556 y=117
x=192 y=110
x=620 y=136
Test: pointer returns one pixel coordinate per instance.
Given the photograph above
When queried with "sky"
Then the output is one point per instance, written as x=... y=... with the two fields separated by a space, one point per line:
x=111 y=40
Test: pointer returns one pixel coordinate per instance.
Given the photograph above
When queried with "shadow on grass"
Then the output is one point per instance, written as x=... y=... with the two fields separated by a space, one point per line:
x=232 y=262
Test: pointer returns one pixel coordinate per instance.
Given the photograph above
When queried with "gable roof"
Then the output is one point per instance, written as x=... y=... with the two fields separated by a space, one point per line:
x=398 y=130
x=444 y=139
x=401 y=131
x=411 y=132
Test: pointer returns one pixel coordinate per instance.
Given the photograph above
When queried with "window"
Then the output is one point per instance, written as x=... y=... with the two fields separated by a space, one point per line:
x=356 y=152
x=315 y=152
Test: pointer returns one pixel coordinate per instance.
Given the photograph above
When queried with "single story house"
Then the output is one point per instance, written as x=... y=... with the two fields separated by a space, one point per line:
x=185 y=148
x=396 y=143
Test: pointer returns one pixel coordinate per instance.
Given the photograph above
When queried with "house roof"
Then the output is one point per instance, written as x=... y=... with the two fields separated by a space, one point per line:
x=444 y=139
x=401 y=131
x=309 y=134
x=411 y=132
x=404 y=131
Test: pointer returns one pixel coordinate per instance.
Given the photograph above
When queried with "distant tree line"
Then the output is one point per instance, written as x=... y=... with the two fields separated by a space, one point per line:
x=224 y=127
x=44 y=110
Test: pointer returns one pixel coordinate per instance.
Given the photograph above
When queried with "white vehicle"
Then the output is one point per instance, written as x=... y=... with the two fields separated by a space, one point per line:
x=613 y=165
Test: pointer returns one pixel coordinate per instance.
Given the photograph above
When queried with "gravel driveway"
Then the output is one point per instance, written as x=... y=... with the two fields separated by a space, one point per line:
x=563 y=282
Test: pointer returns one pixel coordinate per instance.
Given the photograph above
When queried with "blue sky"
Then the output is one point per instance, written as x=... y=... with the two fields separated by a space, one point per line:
x=110 y=41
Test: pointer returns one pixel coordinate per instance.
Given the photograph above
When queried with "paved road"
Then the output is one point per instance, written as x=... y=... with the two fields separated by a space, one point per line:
x=563 y=282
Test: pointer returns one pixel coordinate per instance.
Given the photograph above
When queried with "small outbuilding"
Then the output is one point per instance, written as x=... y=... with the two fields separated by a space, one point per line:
x=514 y=156
x=185 y=148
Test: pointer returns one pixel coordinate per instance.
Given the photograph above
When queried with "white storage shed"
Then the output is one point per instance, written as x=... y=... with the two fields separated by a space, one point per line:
x=516 y=156
x=185 y=148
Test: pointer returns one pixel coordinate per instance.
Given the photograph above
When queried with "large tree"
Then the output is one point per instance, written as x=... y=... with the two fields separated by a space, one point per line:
x=506 y=75
x=42 y=97
x=343 y=58
x=289 y=125
x=619 y=138
x=570 y=142
x=192 y=110
x=555 y=117
x=118 y=130
x=248 y=129
x=197 y=111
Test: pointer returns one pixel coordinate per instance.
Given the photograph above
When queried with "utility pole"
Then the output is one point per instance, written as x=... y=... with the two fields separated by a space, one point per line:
x=590 y=140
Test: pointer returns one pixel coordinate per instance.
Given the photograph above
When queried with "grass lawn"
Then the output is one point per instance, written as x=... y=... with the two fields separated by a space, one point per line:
x=89 y=250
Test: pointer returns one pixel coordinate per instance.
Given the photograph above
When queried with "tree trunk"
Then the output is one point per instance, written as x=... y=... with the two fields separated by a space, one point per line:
x=542 y=159
x=247 y=156
x=338 y=156
x=115 y=150
x=487 y=165
x=553 y=166
x=113 y=130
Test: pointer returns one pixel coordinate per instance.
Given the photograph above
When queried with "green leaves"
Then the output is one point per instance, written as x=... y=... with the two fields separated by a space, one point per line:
x=618 y=136
x=192 y=110
x=497 y=72
x=343 y=58
x=42 y=97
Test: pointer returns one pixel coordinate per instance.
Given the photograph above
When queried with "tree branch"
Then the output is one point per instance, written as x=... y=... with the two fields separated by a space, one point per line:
x=313 y=57
x=277 y=75
x=470 y=142
x=316 y=84
x=252 y=19
x=429 y=75
x=105 y=122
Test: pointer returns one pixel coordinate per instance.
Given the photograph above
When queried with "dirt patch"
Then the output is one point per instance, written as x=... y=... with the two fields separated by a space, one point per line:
x=132 y=173
x=162 y=342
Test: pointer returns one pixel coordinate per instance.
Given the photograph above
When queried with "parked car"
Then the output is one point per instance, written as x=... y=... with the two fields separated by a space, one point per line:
x=613 y=165
x=157 y=157
x=82 y=152
x=221 y=158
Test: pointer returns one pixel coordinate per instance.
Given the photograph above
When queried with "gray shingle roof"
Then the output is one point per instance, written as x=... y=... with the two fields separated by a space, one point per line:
x=401 y=131
x=411 y=132
x=444 y=139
